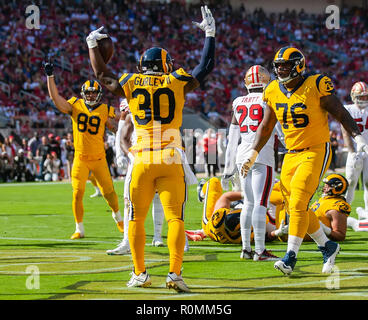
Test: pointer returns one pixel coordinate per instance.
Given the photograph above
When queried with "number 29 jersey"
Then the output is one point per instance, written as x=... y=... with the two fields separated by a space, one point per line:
x=303 y=121
x=89 y=127
x=248 y=111
x=156 y=103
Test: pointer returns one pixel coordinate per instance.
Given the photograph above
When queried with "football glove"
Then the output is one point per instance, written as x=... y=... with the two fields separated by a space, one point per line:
x=248 y=163
x=122 y=161
x=225 y=179
x=282 y=230
x=49 y=68
x=94 y=36
x=362 y=144
x=208 y=22
x=357 y=161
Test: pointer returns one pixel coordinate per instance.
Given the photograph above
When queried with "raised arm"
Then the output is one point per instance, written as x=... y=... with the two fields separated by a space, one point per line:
x=61 y=103
x=102 y=73
x=207 y=62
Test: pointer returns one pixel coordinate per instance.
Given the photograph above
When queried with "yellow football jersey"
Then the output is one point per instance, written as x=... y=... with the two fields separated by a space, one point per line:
x=327 y=203
x=302 y=119
x=89 y=127
x=156 y=103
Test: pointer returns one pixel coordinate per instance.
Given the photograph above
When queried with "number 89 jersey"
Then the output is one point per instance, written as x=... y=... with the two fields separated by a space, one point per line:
x=303 y=121
x=89 y=127
x=248 y=111
x=156 y=103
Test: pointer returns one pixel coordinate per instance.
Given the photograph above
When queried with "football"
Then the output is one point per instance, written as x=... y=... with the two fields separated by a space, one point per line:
x=106 y=48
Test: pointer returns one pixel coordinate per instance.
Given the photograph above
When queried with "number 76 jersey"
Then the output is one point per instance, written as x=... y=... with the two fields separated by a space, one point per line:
x=248 y=111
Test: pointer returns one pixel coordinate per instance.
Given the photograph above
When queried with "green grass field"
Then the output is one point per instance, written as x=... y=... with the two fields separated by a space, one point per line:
x=36 y=223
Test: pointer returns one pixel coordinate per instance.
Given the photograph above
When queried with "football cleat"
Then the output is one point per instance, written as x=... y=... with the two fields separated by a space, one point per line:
x=173 y=281
x=245 y=254
x=329 y=251
x=157 y=243
x=120 y=226
x=142 y=280
x=265 y=256
x=287 y=263
x=122 y=248
x=199 y=190
x=77 y=235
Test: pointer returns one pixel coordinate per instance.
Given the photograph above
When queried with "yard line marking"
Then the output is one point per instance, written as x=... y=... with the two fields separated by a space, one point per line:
x=214 y=248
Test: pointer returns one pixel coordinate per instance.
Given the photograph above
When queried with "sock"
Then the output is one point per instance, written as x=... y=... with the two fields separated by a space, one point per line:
x=79 y=227
x=157 y=216
x=259 y=228
x=319 y=237
x=246 y=226
x=77 y=206
x=294 y=244
x=176 y=243
x=137 y=241
x=117 y=216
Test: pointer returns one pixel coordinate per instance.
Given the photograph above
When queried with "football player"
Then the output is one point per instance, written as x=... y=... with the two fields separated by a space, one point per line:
x=248 y=113
x=331 y=208
x=357 y=162
x=125 y=135
x=221 y=215
x=89 y=118
x=301 y=103
x=156 y=96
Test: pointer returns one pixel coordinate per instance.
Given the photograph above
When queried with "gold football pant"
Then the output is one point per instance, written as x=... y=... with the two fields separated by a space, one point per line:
x=80 y=172
x=213 y=191
x=300 y=176
x=168 y=180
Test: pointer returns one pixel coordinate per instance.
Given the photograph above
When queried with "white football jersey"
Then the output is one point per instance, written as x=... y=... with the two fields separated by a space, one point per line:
x=248 y=111
x=360 y=116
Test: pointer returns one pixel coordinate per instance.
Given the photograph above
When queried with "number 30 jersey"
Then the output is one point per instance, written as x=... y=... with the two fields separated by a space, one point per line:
x=156 y=103
x=299 y=112
x=89 y=127
x=248 y=111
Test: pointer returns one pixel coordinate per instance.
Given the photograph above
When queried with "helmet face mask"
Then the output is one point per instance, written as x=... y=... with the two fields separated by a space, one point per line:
x=359 y=94
x=291 y=61
x=88 y=87
x=155 y=61
x=335 y=185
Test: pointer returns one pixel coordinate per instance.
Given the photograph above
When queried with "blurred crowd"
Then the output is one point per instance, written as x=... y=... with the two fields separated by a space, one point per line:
x=243 y=37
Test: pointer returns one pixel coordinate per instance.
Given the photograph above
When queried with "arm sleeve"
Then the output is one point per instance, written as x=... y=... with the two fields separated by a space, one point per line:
x=207 y=60
x=118 y=150
x=230 y=155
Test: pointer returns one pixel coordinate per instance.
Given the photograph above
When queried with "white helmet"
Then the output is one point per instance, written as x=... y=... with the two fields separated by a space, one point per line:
x=358 y=91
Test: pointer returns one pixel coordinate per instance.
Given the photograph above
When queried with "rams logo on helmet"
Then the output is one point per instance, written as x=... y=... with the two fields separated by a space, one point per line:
x=155 y=60
x=91 y=86
x=335 y=185
x=292 y=56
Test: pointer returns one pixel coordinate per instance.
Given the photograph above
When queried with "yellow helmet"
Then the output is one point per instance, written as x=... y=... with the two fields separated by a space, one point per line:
x=337 y=185
x=359 y=90
x=91 y=85
x=256 y=77
x=293 y=55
